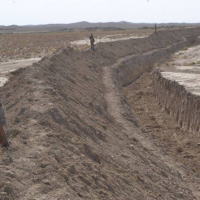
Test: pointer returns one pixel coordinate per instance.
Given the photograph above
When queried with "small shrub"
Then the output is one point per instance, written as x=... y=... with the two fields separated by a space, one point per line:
x=167 y=63
x=27 y=57
x=190 y=64
x=185 y=48
x=198 y=62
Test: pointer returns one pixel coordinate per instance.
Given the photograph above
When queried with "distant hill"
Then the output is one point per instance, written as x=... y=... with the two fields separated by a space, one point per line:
x=85 y=25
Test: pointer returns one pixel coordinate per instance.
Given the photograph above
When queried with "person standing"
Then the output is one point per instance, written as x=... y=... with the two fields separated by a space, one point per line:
x=156 y=29
x=3 y=140
x=92 y=40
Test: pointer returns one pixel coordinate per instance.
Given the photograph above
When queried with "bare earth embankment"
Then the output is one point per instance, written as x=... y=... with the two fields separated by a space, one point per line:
x=74 y=137
x=23 y=49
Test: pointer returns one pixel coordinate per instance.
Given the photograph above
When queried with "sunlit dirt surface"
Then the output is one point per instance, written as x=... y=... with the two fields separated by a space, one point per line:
x=108 y=38
x=8 y=67
x=34 y=45
x=185 y=69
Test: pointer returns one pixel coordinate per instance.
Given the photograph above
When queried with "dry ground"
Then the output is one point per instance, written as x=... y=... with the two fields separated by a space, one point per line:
x=68 y=142
x=166 y=133
x=24 y=46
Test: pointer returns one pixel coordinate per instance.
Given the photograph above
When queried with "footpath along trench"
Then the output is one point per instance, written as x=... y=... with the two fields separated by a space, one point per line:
x=124 y=111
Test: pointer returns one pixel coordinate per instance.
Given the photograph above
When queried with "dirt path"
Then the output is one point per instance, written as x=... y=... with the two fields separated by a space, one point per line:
x=7 y=67
x=118 y=110
x=12 y=65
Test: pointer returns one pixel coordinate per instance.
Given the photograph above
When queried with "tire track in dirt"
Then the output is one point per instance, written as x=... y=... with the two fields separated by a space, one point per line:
x=119 y=110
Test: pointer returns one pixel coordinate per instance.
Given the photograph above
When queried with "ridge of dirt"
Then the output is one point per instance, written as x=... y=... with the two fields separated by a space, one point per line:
x=66 y=145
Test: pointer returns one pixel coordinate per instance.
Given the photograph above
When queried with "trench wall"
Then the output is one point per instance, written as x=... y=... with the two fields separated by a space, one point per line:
x=177 y=101
x=182 y=105
x=131 y=69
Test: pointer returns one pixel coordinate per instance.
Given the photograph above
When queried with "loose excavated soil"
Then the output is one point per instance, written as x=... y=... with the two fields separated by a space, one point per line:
x=69 y=142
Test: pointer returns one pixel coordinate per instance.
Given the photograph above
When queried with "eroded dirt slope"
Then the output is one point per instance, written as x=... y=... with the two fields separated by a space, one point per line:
x=66 y=145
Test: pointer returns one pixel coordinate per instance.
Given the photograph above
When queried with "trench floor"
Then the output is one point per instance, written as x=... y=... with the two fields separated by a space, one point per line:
x=183 y=147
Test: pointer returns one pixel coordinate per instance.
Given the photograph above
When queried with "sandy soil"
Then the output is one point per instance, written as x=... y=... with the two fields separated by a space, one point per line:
x=34 y=45
x=41 y=44
x=7 y=67
x=108 y=38
x=179 y=144
x=13 y=65
x=74 y=137
x=188 y=57
x=184 y=68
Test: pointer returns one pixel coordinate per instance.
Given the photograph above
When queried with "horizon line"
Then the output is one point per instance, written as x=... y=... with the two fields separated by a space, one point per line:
x=104 y=23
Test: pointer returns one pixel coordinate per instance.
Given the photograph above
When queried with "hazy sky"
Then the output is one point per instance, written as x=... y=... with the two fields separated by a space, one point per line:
x=24 y=12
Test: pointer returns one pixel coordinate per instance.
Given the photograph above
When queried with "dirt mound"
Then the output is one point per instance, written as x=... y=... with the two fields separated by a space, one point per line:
x=65 y=145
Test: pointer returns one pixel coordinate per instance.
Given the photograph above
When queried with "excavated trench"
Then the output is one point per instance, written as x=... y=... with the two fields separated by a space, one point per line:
x=181 y=104
x=73 y=134
x=133 y=75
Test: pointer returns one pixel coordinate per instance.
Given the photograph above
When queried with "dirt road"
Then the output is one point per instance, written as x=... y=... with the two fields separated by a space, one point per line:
x=8 y=67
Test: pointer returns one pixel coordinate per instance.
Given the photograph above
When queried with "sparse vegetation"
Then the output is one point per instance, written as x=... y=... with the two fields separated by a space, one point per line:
x=20 y=46
x=27 y=57
x=155 y=64
x=190 y=64
x=198 y=62
x=167 y=63
x=185 y=48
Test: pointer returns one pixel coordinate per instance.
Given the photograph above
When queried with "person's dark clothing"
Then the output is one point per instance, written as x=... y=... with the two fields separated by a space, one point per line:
x=3 y=140
x=156 y=29
x=92 y=40
x=2 y=116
